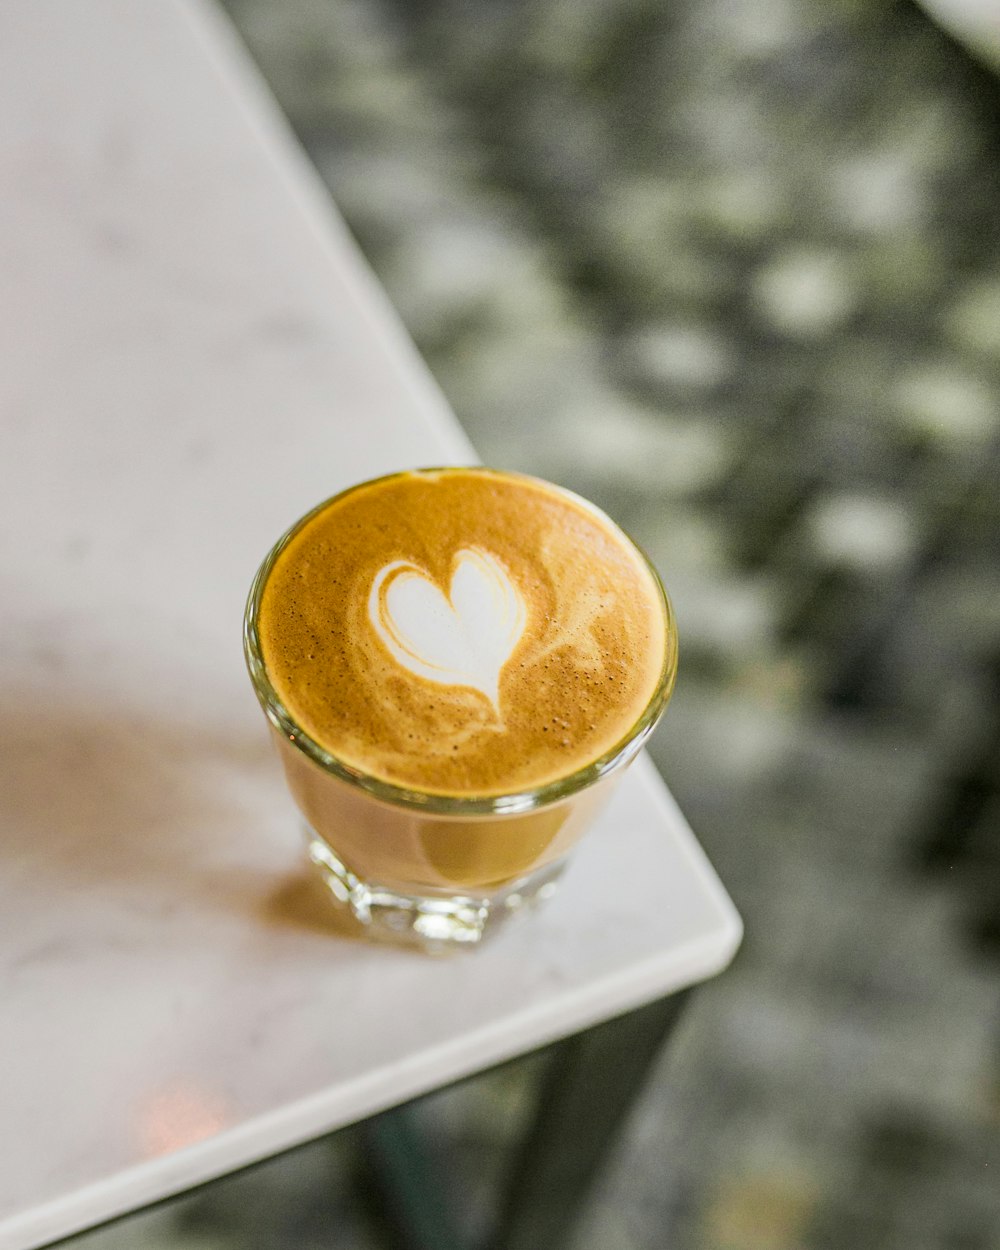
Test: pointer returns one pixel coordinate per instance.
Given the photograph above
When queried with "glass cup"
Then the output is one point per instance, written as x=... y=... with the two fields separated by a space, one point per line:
x=439 y=871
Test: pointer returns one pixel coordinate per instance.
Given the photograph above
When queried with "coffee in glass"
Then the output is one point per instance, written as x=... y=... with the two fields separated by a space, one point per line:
x=457 y=664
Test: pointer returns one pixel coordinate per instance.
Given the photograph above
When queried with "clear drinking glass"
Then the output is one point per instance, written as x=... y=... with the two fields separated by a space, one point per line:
x=439 y=871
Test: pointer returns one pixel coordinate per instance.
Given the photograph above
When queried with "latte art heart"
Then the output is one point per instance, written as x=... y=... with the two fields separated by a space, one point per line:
x=462 y=638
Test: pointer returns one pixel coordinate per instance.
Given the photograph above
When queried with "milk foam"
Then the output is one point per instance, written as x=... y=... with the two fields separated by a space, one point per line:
x=464 y=632
x=462 y=638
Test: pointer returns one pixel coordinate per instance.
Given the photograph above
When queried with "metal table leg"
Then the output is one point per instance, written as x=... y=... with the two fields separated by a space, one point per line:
x=402 y=1185
x=587 y=1092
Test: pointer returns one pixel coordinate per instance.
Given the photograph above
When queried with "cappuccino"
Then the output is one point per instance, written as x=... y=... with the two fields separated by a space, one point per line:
x=457 y=665
x=463 y=632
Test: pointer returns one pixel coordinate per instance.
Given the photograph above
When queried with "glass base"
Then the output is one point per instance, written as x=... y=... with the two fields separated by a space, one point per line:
x=436 y=923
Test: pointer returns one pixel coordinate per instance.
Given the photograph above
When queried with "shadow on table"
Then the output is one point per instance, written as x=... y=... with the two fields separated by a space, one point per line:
x=99 y=796
x=104 y=795
x=301 y=901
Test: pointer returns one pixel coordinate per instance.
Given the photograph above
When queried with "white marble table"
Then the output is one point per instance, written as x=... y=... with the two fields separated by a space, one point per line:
x=193 y=355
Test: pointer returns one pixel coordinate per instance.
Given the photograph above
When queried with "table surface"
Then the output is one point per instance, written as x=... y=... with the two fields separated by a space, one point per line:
x=194 y=354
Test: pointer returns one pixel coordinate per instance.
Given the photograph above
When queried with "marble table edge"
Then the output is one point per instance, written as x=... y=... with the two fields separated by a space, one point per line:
x=329 y=1110
x=665 y=972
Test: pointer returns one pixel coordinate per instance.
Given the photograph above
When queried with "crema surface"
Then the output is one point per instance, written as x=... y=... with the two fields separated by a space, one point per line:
x=463 y=632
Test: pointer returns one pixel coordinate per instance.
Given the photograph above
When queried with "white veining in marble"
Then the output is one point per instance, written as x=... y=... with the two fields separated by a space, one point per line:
x=193 y=356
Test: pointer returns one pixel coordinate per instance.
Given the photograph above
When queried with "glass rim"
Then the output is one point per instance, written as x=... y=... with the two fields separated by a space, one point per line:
x=430 y=801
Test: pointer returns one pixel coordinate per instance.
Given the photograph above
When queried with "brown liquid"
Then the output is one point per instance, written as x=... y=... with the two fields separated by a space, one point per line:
x=412 y=851
x=591 y=656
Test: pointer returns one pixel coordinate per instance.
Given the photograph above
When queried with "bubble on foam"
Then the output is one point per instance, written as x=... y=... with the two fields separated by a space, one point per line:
x=462 y=638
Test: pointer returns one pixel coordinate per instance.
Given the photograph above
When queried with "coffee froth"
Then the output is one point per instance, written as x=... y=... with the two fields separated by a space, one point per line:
x=464 y=632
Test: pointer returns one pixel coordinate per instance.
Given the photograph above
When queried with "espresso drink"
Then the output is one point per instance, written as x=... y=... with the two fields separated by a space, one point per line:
x=445 y=639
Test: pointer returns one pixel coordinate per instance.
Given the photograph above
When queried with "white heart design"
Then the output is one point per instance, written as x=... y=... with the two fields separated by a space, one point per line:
x=463 y=639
